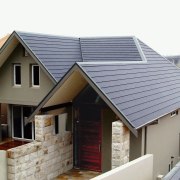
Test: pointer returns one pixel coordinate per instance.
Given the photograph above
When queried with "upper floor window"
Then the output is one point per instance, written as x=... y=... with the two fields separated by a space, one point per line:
x=35 y=75
x=17 y=74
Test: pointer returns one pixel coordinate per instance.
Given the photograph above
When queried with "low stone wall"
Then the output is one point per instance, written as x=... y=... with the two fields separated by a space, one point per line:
x=120 y=144
x=45 y=158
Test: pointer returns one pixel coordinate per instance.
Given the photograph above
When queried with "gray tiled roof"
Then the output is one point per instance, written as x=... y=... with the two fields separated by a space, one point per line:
x=56 y=53
x=174 y=59
x=142 y=92
x=141 y=84
x=110 y=49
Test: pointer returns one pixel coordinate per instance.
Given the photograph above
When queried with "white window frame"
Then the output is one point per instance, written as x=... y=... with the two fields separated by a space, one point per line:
x=16 y=65
x=32 y=75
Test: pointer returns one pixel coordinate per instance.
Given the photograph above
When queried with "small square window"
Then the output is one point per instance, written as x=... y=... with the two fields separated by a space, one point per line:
x=35 y=75
x=174 y=113
x=60 y=123
x=17 y=75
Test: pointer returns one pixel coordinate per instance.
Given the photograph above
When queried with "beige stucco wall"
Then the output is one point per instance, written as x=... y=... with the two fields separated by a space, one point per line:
x=139 y=169
x=107 y=119
x=163 y=142
x=3 y=165
x=25 y=95
x=135 y=150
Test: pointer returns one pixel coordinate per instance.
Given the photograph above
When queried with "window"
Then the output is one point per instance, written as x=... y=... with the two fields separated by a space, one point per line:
x=17 y=74
x=35 y=75
x=20 y=127
x=60 y=123
x=174 y=113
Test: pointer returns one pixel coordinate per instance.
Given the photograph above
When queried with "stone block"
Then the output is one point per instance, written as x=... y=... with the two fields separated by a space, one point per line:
x=48 y=129
x=33 y=156
x=11 y=162
x=40 y=137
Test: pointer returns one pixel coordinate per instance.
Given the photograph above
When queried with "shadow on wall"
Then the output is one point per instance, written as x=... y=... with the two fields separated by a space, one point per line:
x=139 y=169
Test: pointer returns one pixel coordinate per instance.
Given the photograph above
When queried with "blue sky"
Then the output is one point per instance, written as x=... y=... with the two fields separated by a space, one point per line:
x=155 y=22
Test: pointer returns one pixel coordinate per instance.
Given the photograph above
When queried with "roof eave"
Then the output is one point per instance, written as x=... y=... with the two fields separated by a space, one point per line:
x=94 y=86
x=106 y=99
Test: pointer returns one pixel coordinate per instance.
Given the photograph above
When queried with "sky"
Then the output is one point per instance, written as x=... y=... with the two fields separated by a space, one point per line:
x=155 y=22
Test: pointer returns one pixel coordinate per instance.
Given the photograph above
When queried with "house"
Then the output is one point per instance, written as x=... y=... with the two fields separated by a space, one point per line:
x=116 y=100
x=120 y=110
x=30 y=65
x=174 y=59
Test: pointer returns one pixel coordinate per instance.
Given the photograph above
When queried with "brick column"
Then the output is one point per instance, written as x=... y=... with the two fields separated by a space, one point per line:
x=120 y=144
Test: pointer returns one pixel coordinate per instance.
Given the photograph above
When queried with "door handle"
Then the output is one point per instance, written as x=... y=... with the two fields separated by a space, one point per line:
x=99 y=147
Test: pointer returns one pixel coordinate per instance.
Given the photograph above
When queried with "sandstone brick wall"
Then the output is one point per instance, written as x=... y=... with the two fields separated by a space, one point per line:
x=120 y=144
x=45 y=158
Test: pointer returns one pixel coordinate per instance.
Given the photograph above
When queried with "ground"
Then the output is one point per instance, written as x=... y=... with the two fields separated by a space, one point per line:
x=76 y=174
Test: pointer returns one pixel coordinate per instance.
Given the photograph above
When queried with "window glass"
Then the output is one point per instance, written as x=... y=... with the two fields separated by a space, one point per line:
x=17 y=74
x=35 y=75
x=27 y=111
x=17 y=121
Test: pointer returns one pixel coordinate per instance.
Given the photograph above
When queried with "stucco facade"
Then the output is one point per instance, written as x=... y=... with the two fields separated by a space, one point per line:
x=163 y=142
x=24 y=97
x=160 y=139
x=11 y=94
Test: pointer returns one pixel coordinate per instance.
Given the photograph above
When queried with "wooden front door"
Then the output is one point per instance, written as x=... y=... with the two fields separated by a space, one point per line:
x=88 y=136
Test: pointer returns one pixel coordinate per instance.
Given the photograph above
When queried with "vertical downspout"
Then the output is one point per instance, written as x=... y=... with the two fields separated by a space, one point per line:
x=9 y=120
x=145 y=140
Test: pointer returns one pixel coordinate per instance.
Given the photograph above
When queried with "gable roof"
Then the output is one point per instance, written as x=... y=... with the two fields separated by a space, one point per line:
x=140 y=92
x=56 y=54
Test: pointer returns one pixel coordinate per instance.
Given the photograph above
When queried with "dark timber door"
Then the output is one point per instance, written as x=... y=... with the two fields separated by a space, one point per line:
x=88 y=137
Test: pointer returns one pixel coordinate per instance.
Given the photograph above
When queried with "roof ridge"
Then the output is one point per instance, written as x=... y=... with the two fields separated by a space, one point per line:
x=110 y=62
x=44 y=34
x=136 y=41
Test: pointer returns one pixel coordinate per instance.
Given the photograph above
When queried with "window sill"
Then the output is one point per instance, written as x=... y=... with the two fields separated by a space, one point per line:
x=35 y=87
x=17 y=86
